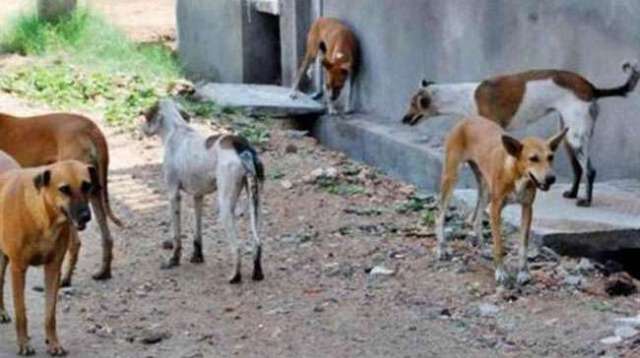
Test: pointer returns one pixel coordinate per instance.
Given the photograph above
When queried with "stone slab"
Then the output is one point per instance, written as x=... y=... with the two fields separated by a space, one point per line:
x=611 y=223
x=260 y=99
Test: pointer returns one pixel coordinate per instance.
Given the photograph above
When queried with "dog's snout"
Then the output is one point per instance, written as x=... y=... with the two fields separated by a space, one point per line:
x=550 y=179
x=84 y=215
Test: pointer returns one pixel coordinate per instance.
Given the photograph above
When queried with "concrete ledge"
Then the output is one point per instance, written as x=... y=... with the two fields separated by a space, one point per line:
x=611 y=223
x=400 y=151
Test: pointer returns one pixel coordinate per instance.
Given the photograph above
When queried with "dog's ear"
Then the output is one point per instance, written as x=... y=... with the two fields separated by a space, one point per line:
x=426 y=83
x=326 y=64
x=512 y=145
x=555 y=141
x=95 y=179
x=43 y=179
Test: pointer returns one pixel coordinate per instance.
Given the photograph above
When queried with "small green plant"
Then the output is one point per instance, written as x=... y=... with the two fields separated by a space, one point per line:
x=415 y=203
x=429 y=217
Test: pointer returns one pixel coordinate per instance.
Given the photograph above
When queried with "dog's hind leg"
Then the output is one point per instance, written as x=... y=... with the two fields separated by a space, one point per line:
x=107 y=240
x=448 y=183
x=197 y=257
x=585 y=158
x=175 y=200
x=4 y=315
x=577 y=172
x=253 y=191
x=72 y=257
x=229 y=188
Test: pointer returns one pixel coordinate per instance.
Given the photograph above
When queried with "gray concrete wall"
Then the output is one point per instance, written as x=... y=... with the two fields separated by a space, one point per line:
x=467 y=40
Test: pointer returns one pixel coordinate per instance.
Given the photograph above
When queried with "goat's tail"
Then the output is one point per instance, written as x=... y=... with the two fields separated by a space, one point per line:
x=623 y=90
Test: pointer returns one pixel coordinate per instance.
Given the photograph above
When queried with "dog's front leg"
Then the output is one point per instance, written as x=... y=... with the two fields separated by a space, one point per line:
x=496 y=230
x=525 y=227
x=4 y=315
x=72 y=256
x=52 y=284
x=348 y=108
x=197 y=257
x=18 y=273
x=175 y=200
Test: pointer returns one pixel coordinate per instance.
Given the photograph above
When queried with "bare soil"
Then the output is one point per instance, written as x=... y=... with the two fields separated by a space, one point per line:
x=318 y=299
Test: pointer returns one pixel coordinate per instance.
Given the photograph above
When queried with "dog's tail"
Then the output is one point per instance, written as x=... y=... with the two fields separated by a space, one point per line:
x=102 y=164
x=253 y=183
x=621 y=91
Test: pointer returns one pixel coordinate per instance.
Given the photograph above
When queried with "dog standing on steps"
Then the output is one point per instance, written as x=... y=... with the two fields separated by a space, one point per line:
x=46 y=139
x=336 y=46
x=516 y=100
x=198 y=166
x=40 y=211
x=507 y=170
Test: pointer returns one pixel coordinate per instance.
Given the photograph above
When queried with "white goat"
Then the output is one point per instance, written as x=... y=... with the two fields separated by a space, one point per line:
x=198 y=166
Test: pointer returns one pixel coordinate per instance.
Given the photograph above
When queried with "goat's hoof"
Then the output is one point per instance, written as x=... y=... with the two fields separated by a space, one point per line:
x=4 y=317
x=583 y=203
x=167 y=245
x=523 y=278
x=25 y=349
x=56 y=350
x=169 y=264
x=102 y=275
x=197 y=258
x=236 y=279
x=257 y=275
x=569 y=194
x=66 y=282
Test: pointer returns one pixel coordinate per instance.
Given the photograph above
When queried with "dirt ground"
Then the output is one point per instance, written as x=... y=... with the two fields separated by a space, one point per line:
x=319 y=298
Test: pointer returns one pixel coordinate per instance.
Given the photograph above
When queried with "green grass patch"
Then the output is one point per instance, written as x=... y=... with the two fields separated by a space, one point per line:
x=83 y=62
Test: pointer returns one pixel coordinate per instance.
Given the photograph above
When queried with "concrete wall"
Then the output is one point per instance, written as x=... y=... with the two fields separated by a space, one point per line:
x=221 y=41
x=467 y=40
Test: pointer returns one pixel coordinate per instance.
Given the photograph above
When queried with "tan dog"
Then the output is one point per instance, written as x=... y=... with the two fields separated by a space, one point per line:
x=506 y=169
x=43 y=140
x=40 y=211
x=337 y=47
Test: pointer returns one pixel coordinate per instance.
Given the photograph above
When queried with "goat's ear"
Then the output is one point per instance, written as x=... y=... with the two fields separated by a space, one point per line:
x=42 y=180
x=512 y=145
x=555 y=141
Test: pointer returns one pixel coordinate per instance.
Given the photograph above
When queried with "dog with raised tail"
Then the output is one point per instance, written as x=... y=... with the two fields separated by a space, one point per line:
x=199 y=165
x=507 y=170
x=335 y=45
x=516 y=100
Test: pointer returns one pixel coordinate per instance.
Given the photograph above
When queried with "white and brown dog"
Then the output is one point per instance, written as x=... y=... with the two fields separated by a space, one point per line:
x=516 y=100
x=336 y=46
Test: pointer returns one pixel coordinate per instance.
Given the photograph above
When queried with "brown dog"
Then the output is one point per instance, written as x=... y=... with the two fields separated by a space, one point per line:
x=43 y=140
x=506 y=169
x=40 y=211
x=338 y=48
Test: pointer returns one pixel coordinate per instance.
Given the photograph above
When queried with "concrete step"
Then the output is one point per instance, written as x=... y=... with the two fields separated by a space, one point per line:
x=611 y=223
x=268 y=100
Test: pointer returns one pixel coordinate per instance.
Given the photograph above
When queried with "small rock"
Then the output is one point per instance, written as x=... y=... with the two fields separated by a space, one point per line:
x=331 y=172
x=630 y=321
x=338 y=269
x=620 y=284
x=295 y=134
x=291 y=149
x=611 y=340
x=381 y=271
x=153 y=337
x=488 y=310
x=573 y=280
x=625 y=332
x=286 y=184
x=585 y=266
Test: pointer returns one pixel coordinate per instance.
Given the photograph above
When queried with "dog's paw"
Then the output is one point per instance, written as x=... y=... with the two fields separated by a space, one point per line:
x=583 y=203
x=173 y=262
x=197 y=258
x=102 y=275
x=236 y=279
x=4 y=317
x=523 y=277
x=56 y=350
x=569 y=194
x=257 y=275
x=25 y=349
x=66 y=282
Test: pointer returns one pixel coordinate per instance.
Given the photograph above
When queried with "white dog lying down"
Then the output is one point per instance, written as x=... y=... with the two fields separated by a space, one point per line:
x=198 y=166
